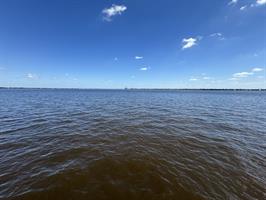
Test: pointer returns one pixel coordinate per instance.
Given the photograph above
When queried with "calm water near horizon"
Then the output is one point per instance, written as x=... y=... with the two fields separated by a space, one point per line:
x=117 y=144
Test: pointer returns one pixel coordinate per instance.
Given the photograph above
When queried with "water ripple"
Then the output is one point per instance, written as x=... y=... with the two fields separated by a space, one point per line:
x=72 y=144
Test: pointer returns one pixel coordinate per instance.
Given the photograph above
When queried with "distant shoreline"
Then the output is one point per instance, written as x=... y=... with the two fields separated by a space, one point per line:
x=137 y=89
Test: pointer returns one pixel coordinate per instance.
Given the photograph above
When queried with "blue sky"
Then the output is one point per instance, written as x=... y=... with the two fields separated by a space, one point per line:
x=133 y=43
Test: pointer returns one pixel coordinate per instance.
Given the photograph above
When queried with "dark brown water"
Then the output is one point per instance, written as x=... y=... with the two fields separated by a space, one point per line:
x=87 y=144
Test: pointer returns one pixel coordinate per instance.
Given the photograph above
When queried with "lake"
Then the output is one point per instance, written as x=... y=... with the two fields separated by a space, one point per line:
x=132 y=144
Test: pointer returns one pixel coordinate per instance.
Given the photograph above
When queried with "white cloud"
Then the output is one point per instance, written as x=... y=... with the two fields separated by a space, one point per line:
x=242 y=74
x=258 y=3
x=29 y=75
x=232 y=2
x=138 y=57
x=32 y=76
x=202 y=77
x=243 y=8
x=109 y=13
x=189 y=42
x=261 y=2
x=144 y=69
x=233 y=79
x=257 y=69
x=199 y=37
x=216 y=35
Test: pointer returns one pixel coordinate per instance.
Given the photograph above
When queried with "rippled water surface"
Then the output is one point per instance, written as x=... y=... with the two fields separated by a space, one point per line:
x=96 y=144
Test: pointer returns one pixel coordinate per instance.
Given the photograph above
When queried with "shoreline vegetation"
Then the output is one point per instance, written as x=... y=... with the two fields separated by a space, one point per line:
x=139 y=89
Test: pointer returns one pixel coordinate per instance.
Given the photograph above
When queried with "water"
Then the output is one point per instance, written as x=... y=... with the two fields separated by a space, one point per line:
x=93 y=144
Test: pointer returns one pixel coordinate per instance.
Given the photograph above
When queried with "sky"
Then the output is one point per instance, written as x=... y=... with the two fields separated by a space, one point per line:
x=133 y=43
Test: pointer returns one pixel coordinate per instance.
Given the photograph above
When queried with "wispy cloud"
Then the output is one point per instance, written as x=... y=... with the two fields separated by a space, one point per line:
x=258 y=3
x=261 y=2
x=239 y=75
x=144 y=69
x=32 y=76
x=218 y=35
x=243 y=7
x=202 y=77
x=242 y=74
x=138 y=57
x=233 y=79
x=189 y=42
x=232 y=2
x=257 y=69
x=109 y=13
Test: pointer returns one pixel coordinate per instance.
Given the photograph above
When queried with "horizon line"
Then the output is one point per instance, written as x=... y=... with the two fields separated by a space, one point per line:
x=58 y=88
